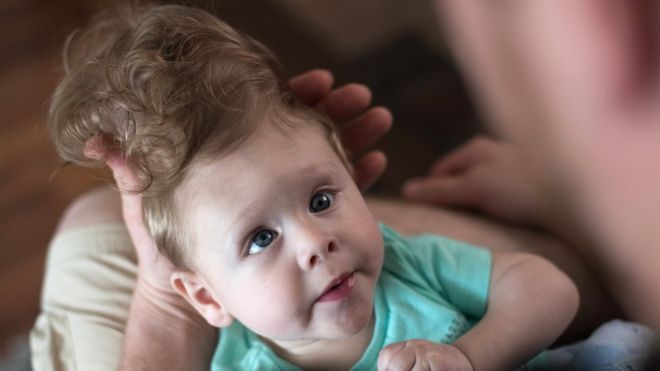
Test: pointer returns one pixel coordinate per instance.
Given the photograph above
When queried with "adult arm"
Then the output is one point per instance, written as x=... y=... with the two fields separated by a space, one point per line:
x=575 y=85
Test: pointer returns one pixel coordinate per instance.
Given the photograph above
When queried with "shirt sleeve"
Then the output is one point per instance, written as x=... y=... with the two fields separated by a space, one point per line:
x=456 y=270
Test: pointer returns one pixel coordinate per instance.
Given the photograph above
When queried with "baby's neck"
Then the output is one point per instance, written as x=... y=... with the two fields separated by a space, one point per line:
x=322 y=354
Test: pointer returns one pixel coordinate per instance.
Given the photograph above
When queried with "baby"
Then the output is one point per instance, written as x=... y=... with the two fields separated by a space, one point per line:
x=250 y=195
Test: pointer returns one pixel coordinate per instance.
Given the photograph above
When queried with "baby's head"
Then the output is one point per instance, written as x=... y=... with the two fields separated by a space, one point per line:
x=245 y=190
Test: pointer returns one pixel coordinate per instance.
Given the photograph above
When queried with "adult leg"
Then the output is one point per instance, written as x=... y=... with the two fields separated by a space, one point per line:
x=90 y=274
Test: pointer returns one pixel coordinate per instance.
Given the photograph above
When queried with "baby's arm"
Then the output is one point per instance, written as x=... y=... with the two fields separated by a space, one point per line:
x=531 y=302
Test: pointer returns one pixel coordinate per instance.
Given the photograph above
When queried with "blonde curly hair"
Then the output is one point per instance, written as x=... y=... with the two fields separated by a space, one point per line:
x=166 y=86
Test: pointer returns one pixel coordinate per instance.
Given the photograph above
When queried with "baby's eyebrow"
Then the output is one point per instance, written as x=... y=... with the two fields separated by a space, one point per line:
x=319 y=170
x=313 y=173
x=246 y=213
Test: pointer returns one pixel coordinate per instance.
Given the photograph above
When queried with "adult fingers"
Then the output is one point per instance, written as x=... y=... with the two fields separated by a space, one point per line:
x=100 y=148
x=447 y=191
x=476 y=149
x=365 y=130
x=369 y=168
x=130 y=197
x=312 y=86
x=148 y=256
x=125 y=177
x=346 y=102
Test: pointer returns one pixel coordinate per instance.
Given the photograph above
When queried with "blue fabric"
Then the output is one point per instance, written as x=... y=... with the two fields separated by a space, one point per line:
x=615 y=345
x=430 y=288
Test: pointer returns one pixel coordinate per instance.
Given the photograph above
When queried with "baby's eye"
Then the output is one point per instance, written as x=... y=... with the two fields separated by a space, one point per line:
x=261 y=240
x=321 y=201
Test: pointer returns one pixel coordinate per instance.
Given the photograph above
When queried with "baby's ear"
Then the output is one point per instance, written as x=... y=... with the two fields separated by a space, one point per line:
x=192 y=287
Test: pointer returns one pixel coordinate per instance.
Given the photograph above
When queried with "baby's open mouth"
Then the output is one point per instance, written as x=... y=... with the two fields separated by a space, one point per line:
x=338 y=289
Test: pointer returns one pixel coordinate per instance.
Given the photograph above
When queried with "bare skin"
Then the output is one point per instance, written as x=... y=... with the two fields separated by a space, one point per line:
x=103 y=205
x=575 y=86
x=617 y=80
x=604 y=57
x=155 y=303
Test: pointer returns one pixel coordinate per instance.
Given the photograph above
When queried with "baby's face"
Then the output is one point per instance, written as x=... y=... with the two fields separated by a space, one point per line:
x=283 y=237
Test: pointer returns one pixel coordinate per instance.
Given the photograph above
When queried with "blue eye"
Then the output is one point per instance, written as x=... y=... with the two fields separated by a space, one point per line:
x=321 y=201
x=261 y=240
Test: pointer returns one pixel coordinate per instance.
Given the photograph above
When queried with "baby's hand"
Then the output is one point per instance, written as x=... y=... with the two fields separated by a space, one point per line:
x=422 y=355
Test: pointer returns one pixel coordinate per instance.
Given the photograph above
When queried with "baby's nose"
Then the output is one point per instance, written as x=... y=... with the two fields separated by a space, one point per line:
x=315 y=248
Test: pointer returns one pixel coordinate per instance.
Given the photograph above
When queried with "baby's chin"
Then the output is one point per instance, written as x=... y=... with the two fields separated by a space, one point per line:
x=349 y=326
x=344 y=333
x=333 y=330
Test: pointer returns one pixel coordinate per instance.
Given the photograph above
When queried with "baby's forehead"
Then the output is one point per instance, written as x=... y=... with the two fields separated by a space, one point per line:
x=269 y=153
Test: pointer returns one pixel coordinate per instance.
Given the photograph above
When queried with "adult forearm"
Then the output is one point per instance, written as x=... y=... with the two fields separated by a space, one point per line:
x=165 y=334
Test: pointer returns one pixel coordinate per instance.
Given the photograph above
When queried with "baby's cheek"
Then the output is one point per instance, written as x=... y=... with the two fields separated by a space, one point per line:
x=274 y=316
x=372 y=249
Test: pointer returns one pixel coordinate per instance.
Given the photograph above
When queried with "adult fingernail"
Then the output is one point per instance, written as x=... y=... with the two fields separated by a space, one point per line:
x=92 y=149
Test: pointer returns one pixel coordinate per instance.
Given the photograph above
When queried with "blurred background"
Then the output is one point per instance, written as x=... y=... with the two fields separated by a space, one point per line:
x=393 y=46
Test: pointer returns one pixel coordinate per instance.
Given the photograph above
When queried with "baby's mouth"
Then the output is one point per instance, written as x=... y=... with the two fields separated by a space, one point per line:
x=338 y=289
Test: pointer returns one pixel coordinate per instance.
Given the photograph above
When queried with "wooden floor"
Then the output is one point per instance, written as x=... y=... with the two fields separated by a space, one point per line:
x=30 y=202
x=431 y=111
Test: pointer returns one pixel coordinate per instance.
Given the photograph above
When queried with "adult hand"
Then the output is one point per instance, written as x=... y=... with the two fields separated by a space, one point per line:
x=360 y=127
x=154 y=269
x=487 y=175
x=421 y=355
x=187 y=341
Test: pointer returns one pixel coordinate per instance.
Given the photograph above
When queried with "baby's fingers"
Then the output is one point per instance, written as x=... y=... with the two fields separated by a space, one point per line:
x=396 y=357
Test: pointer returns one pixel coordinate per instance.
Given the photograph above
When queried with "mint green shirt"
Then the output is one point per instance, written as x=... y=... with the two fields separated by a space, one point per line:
x=431 y=288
